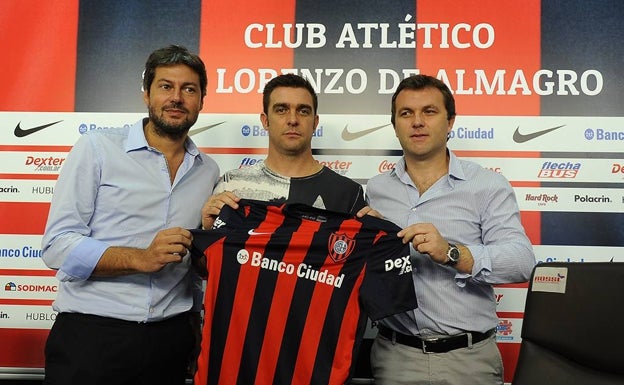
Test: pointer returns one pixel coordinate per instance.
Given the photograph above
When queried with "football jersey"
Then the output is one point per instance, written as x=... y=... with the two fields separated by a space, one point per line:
x=289 y=289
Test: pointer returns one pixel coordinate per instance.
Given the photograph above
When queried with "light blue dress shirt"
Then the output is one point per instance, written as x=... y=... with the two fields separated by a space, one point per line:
x=471 y=206
x=115 y=190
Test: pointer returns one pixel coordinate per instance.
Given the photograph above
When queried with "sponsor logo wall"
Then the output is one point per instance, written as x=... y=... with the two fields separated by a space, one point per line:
x=536 y=102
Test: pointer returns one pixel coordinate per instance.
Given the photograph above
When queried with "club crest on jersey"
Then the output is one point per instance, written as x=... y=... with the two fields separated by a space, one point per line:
x=340 y=246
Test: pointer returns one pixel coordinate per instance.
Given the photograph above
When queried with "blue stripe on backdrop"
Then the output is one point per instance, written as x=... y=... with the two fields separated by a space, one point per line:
x=114 y=39
x=355 y=12
x=582 y=229
x=582 y=35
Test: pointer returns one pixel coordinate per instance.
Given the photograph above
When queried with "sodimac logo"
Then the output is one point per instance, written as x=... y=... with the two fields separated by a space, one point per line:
x=12 y=286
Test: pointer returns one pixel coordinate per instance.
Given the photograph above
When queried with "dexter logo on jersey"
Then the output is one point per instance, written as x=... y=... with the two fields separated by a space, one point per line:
x=403 y=264
x=22 y=132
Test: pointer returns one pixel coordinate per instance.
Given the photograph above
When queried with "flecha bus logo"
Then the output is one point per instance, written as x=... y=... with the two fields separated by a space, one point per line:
x=559 y=170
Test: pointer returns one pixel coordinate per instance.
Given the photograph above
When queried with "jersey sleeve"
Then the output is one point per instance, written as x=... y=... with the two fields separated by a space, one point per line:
x=388 y=286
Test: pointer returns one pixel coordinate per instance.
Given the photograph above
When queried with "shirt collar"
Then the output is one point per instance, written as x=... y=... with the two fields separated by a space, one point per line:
x=136 y=136
x=456 y=170
x=137 y=140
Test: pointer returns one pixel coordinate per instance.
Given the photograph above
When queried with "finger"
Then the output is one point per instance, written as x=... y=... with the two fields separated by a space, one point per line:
x=229 y=199
x=363 y=211
x=375 y=213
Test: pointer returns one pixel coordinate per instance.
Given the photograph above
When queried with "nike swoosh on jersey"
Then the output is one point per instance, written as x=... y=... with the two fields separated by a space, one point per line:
x=202 y=129
x=521 y=138
x=252 y=232
x=21 y=132
x=348 y=135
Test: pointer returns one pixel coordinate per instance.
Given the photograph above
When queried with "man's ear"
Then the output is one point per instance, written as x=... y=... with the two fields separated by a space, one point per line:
x=265 y=120
x=146 y=97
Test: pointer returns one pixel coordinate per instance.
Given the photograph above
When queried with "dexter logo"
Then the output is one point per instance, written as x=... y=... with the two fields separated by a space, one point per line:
x=402 y=263
x=49 y=161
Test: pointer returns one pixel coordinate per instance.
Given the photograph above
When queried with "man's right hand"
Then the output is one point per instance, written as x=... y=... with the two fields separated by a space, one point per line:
x=168 y=246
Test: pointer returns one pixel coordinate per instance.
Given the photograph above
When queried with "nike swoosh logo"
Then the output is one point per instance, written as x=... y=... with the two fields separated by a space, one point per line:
x=521 y=138
x=348 y=135
x=252 y=232
x=202 y=129
x=21 y=132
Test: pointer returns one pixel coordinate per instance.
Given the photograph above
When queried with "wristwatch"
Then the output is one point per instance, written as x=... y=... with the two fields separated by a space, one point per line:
x=452 y=255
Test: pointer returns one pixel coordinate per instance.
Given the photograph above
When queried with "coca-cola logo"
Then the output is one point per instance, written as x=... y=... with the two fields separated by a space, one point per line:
x=386 y=165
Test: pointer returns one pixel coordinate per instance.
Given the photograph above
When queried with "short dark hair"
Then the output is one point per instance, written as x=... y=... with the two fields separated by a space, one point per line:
x=171 y=55
x=287 y=80
x=419 y=82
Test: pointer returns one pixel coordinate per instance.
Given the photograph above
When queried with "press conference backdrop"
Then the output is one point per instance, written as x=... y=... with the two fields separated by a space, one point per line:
x=538 y=85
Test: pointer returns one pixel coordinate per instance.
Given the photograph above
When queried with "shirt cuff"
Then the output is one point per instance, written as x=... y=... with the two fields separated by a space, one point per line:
x=81 y=262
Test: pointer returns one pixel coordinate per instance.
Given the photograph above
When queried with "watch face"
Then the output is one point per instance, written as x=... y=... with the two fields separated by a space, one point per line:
x=452 y=255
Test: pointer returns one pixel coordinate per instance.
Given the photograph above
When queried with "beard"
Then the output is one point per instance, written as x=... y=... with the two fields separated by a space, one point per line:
x=170 y=130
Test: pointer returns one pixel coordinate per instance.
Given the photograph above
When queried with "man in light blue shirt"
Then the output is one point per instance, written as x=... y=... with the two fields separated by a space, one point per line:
x=463 y=224
x=117 y=236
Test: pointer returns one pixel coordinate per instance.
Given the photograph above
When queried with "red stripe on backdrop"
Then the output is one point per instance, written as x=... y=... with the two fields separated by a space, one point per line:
x=233 y=150
x=516 y=46
x=41 y=63
x=509 y=352
x=23 y=217
x=497 y=154
x=510 y=314
x=19 y=354
x=519 y=285
x=26 y=302
x=531 y=220
x=222 y=46
x=34 y=148
x=28 y=272
x=30 y=176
